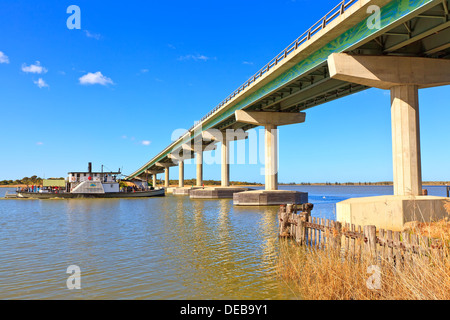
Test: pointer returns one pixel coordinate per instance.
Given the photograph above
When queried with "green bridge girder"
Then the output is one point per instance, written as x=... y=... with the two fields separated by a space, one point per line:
x=407 y=27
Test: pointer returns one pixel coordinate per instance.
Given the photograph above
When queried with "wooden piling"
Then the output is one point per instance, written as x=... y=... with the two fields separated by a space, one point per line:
x=284 y=221
x=390 y=248
x=371 y=243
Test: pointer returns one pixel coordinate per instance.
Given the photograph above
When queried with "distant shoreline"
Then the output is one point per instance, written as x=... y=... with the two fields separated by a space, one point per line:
x=13 y=186
x=346 y=184
x=356 y=184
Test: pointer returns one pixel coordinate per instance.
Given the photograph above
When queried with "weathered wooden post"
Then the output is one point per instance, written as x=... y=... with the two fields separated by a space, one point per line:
x=299 y=232
x=309 y=232
x=415 y=251
x=382 y=252
x=307 y=207
x=370 y=235
x=337 y=236
x=358 y=243
x=397 y=250
x=290 y=211
x=327 y=234
x=352 y=242
x=304 y=216
x=407 y=249
x=390 y=247
x=280 y=219
x=283 y=217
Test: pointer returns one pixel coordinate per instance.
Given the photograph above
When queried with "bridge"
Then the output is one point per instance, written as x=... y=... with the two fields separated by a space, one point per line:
x=396 y=45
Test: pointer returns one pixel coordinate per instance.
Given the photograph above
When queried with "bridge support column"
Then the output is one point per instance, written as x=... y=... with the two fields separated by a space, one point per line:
x=225 y=191
x=271 y=195
x=166 y=166
x=406 y=141
x=199 y=160
x=403 y=76
x=181 y=174
x=166 y=178
x=225 y=163
x=271 y=157
x=195 y=151
x=153 y=173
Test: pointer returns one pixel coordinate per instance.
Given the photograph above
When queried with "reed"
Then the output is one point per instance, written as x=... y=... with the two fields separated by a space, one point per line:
x=323 y=274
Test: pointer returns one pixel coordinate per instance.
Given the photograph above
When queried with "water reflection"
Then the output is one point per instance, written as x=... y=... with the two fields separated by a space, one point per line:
x=157 y=248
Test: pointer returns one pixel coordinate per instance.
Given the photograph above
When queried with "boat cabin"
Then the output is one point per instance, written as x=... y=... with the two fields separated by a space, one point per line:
x=93 y=182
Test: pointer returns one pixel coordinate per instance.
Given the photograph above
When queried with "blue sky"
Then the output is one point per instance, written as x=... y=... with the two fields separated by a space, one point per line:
x=113 y=92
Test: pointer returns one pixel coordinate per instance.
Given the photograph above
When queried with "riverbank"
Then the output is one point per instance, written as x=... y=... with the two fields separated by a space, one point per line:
x=248 y=185
x=387 y=183
x=324 y=274
x=15 y=186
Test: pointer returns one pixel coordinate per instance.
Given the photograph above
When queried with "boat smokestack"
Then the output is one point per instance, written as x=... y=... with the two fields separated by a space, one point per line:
x=90 y=167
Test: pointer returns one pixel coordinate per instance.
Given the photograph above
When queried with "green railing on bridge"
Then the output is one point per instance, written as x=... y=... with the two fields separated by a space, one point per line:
x=391 y=13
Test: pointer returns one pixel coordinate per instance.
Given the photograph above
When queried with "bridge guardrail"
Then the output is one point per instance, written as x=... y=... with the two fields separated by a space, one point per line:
x=319 y=25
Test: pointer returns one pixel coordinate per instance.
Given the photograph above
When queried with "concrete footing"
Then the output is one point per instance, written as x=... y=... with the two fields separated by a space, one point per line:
x=391 y=212
x=269 y=198
x=169 y=190
x=184 y=191
x=216 y=192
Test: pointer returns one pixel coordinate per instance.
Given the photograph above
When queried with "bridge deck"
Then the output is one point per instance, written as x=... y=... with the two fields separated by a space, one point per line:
x=298 y=78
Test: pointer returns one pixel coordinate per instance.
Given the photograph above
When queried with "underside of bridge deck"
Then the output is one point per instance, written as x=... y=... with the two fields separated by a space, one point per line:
x=299 y=77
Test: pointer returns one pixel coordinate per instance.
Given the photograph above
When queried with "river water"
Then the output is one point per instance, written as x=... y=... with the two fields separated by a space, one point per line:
x=156 y=248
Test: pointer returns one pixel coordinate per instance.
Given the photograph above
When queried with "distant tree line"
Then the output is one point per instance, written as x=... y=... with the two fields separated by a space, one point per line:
x=29 y=181
x=382 y=183
x=193 y=182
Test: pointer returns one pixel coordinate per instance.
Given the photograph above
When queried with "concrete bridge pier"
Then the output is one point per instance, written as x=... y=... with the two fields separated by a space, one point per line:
x=179 y=159
x=154 y=180
x=271 y=196
x=153 y=173
x=271 y=157
x=225 y=191
x=166 y=166
x=181 y=174
x=199 y=162
x=403 y=76
x=196 y=152
x=225 y=164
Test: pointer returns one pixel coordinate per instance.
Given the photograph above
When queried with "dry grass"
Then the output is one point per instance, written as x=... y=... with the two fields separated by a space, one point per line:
x=437 y=230
x=325 y=275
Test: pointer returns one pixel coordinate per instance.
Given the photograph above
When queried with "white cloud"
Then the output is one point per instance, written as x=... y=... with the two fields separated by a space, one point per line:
x=3 y=58
x=34 y=68
x=96 y=36
x=146 y=142
x=41 y=83
x=95 y=78
x=196 y=57
x=247 y=62
x=39 y=143
x=143 y=71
